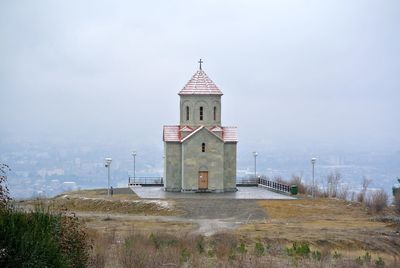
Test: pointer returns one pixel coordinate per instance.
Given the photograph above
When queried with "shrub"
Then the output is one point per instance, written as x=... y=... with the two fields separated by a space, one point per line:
x=242 y=248
x=224 y=244
x=185 y=254
x=4 y=193
x=396 y=202
x=42 y=239
x=336 y=255
x=379 y=262
x=343 y=192
x=333 y=180
x=360 y=197
x=377 y=201
x=200 y=245
x=316 y=255
x=367 y=257
x=302 y=250
x=296 y=180
x=259 y=249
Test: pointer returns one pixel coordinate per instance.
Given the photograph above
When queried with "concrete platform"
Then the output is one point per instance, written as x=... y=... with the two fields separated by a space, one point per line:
x=242 y=193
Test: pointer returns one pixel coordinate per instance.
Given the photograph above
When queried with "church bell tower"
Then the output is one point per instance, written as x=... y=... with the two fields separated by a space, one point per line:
x=200 y=101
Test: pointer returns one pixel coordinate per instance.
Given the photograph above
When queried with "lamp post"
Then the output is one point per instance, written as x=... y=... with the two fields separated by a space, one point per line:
x=108 y=165
x=313 y=160
x=255 y=164
x=134 y=166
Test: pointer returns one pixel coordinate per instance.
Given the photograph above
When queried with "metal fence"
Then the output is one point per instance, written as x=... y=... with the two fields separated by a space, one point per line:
x=275 y=185
x=146 y=181
x=239 y=182
x=247 y=181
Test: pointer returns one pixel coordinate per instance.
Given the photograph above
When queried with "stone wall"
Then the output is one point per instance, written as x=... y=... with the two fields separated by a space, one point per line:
x=172 y=166
x=194 y=160
x=208 y=102
x=230 y=167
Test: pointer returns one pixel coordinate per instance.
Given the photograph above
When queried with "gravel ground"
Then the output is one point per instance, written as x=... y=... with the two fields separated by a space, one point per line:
x=232 y=209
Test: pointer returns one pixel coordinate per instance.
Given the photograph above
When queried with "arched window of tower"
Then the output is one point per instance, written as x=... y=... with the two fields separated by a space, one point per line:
x=201 y=113
x=215 y=113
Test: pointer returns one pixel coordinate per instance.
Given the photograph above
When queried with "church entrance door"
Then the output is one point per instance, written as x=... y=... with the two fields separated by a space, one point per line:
x=203 y=180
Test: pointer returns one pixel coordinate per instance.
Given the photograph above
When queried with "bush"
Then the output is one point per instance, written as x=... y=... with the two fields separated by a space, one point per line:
x=41 y=239
x=396 y=202
x=377 y=201
x=302 y=250
x=4 y=193
x=259 y=249
x=296 y=180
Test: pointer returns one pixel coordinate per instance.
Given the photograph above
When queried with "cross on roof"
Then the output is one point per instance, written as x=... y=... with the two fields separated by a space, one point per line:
x=200 y=61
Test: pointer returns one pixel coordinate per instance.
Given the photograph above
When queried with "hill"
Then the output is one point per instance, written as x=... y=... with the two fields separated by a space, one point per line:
x=335 y=232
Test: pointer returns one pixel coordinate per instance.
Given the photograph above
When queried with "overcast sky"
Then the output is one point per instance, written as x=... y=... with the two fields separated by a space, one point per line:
x=293 y=73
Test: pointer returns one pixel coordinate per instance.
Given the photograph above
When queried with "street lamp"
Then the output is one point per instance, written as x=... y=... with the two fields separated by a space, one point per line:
x=134 y=165
x=108 y=165
x=255 y=164
x=313 y=160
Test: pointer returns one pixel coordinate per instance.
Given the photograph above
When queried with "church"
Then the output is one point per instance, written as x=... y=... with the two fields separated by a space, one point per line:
x=200 y=153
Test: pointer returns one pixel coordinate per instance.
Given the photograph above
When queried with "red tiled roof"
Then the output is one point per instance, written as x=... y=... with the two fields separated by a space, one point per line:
x=186 y=128
x=216 y=129
x=201 y=84
x=230 y=134
x=171 y=134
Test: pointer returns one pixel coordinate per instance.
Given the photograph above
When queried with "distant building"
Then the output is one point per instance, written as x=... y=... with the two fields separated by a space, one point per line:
x=200 y=154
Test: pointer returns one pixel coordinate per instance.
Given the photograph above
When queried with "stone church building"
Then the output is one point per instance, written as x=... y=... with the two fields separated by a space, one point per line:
x=200 y=154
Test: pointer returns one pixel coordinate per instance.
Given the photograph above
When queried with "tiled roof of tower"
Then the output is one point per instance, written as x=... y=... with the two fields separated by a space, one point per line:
x=201 y=84
x=171 y=134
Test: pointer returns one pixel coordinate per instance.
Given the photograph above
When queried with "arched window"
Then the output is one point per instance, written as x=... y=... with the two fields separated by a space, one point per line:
x=201 y=113
x=215 y=113
x=187 y=113
x=203 y=147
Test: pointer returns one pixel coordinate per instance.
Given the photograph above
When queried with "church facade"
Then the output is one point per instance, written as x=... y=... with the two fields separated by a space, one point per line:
x=199 y=153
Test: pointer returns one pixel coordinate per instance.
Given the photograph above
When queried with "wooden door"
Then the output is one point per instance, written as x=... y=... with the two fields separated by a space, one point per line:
x=203 y=180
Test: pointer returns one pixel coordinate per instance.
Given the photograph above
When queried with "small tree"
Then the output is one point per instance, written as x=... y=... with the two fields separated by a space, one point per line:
x=333 y=180
x=4 y=193
x=365 y=183
x=377 y=201
x=296 y=180
x=396 y=202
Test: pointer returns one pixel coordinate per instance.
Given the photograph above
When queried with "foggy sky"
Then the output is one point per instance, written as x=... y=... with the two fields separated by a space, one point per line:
x=294 y=73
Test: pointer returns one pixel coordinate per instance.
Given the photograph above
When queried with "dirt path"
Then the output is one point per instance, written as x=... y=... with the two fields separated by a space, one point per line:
x=227 y=209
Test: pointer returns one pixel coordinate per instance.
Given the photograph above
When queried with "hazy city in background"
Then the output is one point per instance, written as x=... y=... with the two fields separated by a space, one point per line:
x=83 y=81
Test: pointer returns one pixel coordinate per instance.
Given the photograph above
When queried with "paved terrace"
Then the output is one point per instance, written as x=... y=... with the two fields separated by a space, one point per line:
x=242 y=193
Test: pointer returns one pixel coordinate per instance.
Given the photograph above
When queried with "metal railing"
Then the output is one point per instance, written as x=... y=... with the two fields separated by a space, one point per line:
x=275 y=185
x=146 y=181
x=247 y=181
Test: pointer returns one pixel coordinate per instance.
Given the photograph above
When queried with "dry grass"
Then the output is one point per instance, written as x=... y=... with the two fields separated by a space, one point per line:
x=124 y=239
x=331 y=223
x=159 y=249
x=98 y=201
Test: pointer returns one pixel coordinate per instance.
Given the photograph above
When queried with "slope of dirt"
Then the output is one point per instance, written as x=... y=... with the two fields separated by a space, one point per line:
x=98 y=201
